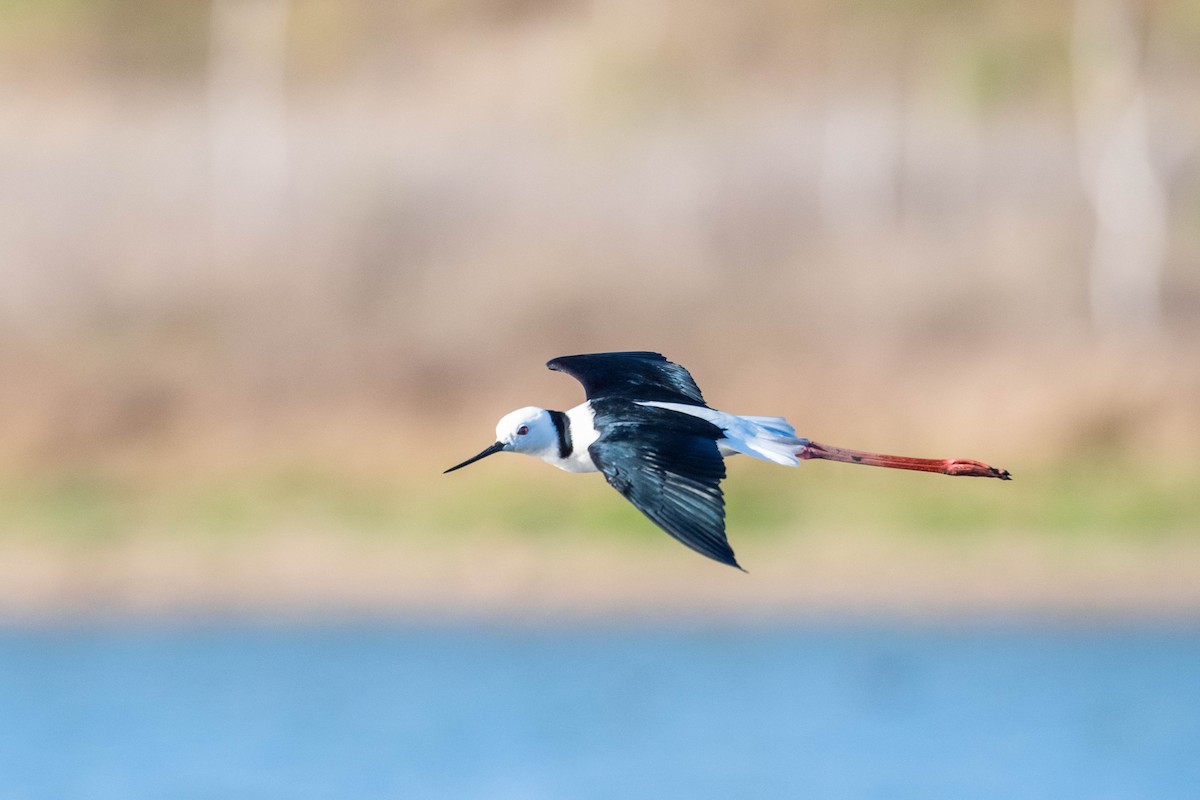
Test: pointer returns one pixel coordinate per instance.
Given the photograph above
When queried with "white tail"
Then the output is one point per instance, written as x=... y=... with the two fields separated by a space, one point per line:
x=768 y=438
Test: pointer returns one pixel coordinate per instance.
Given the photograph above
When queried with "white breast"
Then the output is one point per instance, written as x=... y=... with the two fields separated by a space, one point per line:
x=583 y=434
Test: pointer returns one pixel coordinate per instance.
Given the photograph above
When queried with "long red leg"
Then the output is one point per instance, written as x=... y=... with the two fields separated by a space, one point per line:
x=946 y=466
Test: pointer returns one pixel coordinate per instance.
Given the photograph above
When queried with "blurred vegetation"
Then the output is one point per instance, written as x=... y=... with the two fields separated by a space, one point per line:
x=346 y=236
x=1057 y=504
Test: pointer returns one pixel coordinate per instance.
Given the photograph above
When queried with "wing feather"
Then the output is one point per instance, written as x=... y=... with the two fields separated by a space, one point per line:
x=632 y=375
x=673 y=477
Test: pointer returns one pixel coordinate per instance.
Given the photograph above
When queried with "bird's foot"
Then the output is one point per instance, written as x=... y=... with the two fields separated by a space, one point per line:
x=975 y=469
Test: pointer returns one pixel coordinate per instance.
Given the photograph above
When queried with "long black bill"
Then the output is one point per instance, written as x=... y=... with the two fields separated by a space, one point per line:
x=495 y=448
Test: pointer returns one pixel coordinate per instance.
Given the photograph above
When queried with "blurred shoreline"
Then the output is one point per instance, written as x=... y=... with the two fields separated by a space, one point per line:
x=322 y=576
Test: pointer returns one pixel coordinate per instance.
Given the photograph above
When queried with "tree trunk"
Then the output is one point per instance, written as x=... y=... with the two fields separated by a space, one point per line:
x=1117 y=169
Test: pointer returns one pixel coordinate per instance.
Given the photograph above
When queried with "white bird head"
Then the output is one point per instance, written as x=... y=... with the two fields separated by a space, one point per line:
x=528 y=430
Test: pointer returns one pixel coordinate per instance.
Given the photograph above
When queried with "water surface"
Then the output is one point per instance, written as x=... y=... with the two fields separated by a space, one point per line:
x=595 y=711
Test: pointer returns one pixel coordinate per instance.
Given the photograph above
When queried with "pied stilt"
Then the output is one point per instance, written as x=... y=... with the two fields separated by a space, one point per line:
x=646 y=427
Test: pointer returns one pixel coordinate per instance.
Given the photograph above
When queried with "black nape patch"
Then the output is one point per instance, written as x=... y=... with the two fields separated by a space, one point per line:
x=562 y=427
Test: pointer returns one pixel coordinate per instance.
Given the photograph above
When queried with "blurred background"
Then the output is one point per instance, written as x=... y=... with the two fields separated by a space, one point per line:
x=268 y=266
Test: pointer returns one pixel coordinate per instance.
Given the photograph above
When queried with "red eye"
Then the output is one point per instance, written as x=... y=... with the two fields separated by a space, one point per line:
x=521 y=431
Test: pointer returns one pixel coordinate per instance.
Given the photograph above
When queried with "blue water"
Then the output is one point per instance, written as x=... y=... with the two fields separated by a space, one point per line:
x=592 y=711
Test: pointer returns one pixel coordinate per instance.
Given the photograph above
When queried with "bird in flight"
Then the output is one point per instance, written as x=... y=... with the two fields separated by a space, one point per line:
x=646 y=428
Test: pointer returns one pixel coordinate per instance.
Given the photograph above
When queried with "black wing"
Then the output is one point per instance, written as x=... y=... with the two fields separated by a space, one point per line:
x=634 y=376
x=673 y=476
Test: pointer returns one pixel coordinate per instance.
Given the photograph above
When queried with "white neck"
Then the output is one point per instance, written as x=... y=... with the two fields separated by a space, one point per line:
x=583 y=433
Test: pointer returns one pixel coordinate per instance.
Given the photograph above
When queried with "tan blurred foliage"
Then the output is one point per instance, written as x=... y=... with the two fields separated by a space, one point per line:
x=244 y=228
